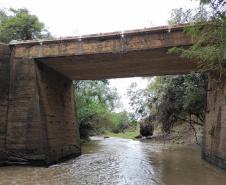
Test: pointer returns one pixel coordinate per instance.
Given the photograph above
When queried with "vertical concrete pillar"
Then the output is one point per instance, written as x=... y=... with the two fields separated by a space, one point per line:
x=41 y=127
x=25 y=135
x=214 y=136
x=58 y=111
x=4 y=96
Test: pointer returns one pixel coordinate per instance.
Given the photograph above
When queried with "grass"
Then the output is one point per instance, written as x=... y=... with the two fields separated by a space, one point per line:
x=127 y=134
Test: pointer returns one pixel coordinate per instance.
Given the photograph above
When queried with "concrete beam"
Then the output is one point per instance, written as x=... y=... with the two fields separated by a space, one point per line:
x=112 y=55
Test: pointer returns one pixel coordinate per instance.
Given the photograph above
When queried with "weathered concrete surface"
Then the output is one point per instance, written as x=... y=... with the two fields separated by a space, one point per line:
x=39 y=120
x=4 y=95
x=214 y=135
x=112 y=55
x=24 y=128
x=57 y=105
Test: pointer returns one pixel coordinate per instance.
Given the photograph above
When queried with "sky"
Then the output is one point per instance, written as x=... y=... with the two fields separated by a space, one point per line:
x=81 y=17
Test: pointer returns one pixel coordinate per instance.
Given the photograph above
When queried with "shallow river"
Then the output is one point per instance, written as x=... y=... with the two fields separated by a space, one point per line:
x=123 y=161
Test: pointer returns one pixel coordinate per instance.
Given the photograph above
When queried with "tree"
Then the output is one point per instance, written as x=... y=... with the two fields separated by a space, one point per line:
x=21 y=25
x=121 y=122
x=2 y=15
x=183 y=98
x=172 y=99
x=139 y=99
x=95 y=101
x=209 y=32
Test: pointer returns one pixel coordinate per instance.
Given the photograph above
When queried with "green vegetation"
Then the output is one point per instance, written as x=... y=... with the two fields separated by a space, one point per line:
x=20 y=24
x=172 y=99
x=95 y=103
x=127 y=134
x=208 y=28
x=182 y=99
x=211 y=131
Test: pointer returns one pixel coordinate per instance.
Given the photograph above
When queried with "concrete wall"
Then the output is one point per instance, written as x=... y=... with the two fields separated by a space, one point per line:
x=41 y=128
x=4 y=92
x=214 y=136
x=58 y=111
x=25 y=130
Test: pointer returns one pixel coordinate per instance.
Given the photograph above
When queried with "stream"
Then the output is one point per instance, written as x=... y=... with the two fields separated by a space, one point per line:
x=122 y=161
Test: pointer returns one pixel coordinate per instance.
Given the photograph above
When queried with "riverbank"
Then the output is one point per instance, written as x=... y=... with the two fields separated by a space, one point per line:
x=180 y=134
x=126 y=134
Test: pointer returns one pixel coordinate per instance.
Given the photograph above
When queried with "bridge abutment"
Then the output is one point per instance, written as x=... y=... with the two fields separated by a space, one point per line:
x=4 y=97
x=38 y=119
x=57 y=104
x=214 y=135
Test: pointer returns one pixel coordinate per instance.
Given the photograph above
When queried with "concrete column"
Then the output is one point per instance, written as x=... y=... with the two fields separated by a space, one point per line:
x=214 y=135
x=25 y=135
x=41 y=127
x=59 y=114
x=4 y=96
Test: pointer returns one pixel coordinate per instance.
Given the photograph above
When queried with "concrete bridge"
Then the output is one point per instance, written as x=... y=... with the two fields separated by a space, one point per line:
x=37 y=110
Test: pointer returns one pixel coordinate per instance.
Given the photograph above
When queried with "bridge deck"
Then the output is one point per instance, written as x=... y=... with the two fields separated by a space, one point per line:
x=112 y=55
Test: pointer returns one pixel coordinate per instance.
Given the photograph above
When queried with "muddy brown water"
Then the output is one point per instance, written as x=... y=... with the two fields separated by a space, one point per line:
x=123 y=161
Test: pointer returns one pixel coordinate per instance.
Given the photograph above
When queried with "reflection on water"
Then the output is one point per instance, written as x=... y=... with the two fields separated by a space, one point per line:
x=123 y=161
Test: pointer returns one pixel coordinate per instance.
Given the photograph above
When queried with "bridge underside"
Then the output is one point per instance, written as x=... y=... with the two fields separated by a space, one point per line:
x=37 y=109
x=154 y=62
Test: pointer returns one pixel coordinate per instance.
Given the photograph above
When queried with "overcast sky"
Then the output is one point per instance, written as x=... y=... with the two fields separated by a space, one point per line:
x=70 y=17
x=81 y=17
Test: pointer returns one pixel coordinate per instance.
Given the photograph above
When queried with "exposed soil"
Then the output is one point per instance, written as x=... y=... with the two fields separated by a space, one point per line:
x=180 y=134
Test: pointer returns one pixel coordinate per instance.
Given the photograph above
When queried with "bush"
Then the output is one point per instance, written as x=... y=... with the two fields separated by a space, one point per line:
x=146 y=129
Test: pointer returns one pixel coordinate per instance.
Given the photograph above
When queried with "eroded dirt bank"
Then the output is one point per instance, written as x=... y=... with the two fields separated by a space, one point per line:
x=180 y=134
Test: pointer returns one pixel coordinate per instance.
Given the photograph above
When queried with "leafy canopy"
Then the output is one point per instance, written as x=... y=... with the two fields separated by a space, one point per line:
x=95 y=101
x=20 y=24
x=208 y=28
x=172 y=99
x=182 y=96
